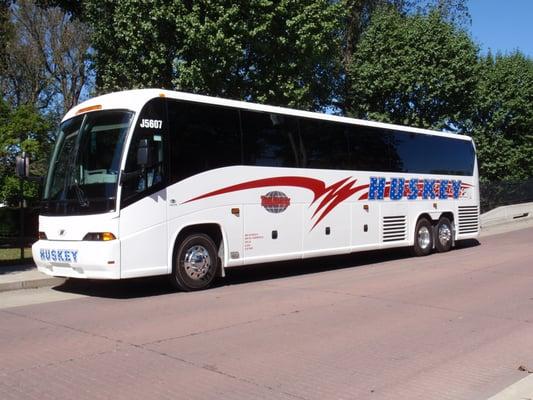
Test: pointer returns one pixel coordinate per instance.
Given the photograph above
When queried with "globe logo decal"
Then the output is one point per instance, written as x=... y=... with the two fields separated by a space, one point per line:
x=275 y=202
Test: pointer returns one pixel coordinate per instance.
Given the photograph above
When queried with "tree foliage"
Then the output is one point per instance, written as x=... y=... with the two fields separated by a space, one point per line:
x=357 y=15
x=44 y=73
x=414 y=70
x=282 y=52
x=359 y=12
x=22 y=128
x=5 y=32
x=46 y=58
x=502 y=122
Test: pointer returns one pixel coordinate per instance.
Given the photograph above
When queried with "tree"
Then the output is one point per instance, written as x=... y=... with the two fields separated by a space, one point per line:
x=359 y=12
x=357 y=16
x=4 y=32
x=502 y=123
x=47 y=63
x=414 y=70
x=283 y=53
x=21 y=129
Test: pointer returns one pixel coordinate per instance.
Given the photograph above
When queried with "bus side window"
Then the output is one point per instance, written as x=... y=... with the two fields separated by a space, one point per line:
x=430 y=154
x=369 y=148
x=202 y=137
x=327 y=144
x=271 y=140
x=151 y=126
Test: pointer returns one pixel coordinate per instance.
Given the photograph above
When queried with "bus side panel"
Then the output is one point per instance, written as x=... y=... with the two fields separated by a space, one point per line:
x=331 y=235
x=272 y=236
x=143 y=236
x=365 y=225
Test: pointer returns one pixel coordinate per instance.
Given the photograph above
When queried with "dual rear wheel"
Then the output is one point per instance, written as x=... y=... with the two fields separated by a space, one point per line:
x=426 y=235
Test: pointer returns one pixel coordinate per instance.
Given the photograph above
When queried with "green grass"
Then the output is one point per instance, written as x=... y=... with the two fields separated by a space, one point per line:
x=13 y=254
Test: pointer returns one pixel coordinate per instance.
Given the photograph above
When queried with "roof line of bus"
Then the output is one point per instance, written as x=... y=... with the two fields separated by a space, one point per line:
x=138 y=97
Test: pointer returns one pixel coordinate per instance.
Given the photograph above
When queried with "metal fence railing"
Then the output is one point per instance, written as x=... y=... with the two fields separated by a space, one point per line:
x=11 y=232
x=503 y=193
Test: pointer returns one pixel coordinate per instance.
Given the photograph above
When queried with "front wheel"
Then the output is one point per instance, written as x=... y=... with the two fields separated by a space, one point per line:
x=423 y=238
x=195 y=263
x=443 y=235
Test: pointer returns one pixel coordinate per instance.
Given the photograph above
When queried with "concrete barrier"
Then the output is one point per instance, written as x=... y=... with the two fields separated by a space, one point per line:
x=505 y=214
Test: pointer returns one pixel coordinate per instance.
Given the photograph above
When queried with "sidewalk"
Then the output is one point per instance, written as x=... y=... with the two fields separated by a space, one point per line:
x=27 y=277
x=24 y=276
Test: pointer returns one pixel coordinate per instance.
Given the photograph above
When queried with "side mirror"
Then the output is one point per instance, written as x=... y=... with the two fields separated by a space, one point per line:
x=143 y=153
x=22 y=166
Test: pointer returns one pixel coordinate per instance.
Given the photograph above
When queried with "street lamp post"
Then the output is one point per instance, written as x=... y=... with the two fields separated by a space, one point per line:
x=23 y=170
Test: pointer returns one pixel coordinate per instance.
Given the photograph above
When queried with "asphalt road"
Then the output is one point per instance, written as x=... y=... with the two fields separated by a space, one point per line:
x=370 y=326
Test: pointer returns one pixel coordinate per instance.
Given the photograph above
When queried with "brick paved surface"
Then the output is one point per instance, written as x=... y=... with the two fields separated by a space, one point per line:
x=369 y=326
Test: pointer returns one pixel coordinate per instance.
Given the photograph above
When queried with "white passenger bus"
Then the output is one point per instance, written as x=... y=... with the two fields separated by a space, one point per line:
x=153 y=182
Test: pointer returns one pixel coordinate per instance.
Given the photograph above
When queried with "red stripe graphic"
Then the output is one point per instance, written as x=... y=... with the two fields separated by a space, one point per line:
x=334 y=194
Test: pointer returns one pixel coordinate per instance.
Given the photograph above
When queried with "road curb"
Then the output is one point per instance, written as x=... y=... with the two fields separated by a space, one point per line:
x=521 y=390
x=30 y=284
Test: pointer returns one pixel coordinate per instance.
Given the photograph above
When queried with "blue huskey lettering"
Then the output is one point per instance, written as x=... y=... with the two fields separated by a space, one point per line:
x=431 y=188
x=456 y=188
x=59 y=255
x=413 y=189
x=397 y=187
x=377 y=189
x=443 y=189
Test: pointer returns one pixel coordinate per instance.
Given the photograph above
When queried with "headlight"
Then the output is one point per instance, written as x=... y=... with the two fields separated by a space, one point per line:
x=99 y=236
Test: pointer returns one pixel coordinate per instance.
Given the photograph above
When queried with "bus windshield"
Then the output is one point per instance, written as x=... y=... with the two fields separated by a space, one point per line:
x=83 y=173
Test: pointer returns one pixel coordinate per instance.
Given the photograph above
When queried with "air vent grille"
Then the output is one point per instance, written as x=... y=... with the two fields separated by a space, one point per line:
x=394 y=228
x=468 y=219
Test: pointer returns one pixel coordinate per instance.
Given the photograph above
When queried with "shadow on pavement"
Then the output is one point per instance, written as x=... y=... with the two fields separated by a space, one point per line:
x=463 y=244
x=15 y=267
x=156 y=286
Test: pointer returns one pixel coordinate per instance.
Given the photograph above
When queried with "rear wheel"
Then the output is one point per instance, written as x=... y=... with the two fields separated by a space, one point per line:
x=423 y=238
x=195 y=263
x=443 y=235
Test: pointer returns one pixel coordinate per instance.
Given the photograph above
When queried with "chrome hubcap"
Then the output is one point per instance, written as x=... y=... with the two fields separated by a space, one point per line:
x=445 y=234
x=424 y=237
x=197 y=262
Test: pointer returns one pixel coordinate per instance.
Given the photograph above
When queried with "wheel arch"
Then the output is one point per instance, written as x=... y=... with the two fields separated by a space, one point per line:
x=212 y=229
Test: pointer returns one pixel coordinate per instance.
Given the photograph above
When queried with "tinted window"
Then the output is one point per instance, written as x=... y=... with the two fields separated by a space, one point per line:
x=271 y=140
x=202 y=137
x=370 y=149
x=151 y=126
x=432 y=154
x=205 y=137
x=326 y=144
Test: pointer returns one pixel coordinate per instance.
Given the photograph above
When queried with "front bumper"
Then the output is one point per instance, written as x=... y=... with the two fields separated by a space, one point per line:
x=78 y=259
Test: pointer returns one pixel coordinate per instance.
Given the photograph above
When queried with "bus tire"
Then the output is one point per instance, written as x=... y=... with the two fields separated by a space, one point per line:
x=423 y=238
x=443 y=235
x=195 y=263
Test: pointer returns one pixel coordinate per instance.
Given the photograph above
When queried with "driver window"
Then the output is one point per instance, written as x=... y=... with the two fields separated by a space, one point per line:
x=150 y=127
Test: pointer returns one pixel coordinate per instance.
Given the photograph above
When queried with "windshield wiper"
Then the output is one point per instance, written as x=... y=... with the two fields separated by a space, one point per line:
x=71 y=181
x=80 y=194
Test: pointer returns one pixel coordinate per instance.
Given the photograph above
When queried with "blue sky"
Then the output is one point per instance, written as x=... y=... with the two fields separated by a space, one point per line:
x=502 y=25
